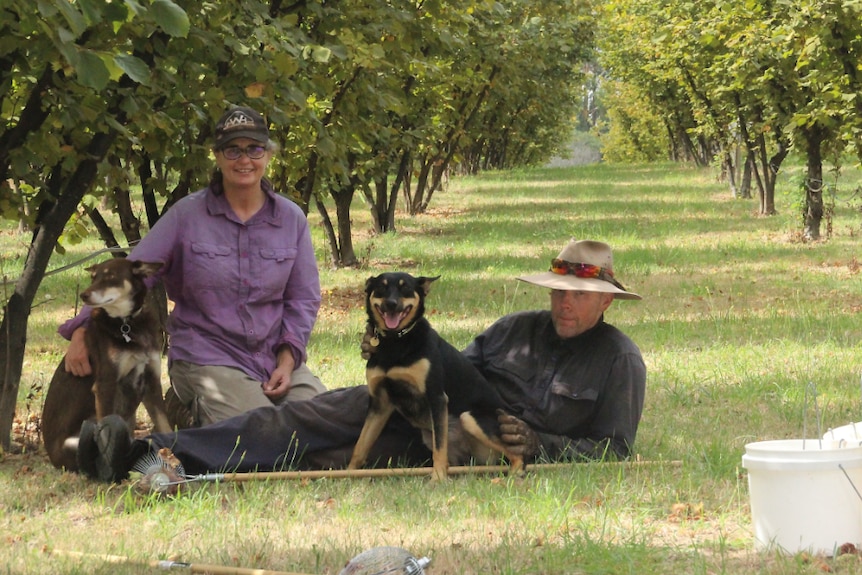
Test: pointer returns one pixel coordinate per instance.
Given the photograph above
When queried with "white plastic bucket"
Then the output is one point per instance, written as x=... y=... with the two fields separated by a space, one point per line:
x=852 y=432
x=804 y=494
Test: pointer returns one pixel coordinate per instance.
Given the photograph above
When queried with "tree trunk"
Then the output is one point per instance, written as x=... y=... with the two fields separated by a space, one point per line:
x=418 y=201
x=343 y=199
x=329 y=232
x=403 y=175
x=305 y=186
x=145 y=175
x=104 y=229
x=382 y=204
x=765 y=170
x=728 y=170
x=773 y=166
x=376 y=202
x=813 y=185
x=745 y=185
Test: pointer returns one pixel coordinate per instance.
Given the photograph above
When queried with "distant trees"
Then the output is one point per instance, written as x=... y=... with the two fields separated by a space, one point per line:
x=742 y=82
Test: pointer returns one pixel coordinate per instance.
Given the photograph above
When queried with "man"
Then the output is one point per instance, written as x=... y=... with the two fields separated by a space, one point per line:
x=574 y=386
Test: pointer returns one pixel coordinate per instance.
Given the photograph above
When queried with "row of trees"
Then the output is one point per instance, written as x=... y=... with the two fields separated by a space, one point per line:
x=743 y=82
x=378 y=97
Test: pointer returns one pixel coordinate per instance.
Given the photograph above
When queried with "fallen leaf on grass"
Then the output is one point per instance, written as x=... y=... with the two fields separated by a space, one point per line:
x=686 y=511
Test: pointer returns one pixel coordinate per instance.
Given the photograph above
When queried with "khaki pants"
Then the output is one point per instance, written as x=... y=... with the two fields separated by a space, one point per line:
x=214 y=393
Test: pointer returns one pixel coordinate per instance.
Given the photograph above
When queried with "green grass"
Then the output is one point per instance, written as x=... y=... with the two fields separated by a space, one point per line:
x=739 y=319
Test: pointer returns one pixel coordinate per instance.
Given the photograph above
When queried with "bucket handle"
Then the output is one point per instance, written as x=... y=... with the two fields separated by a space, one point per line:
x=812 y=389
x=847 y=475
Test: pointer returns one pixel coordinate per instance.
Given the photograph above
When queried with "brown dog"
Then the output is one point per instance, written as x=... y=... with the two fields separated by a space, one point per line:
x=416 y=372
x=124 y=342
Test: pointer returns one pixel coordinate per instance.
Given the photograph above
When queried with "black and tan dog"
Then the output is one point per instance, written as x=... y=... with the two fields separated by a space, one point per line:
x=124 y=342
x=416 y=372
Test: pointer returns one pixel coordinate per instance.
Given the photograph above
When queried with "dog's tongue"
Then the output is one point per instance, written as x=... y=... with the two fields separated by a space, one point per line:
x=392 y=320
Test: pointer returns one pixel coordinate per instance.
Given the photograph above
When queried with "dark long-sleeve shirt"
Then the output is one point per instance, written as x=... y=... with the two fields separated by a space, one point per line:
x=583 y=395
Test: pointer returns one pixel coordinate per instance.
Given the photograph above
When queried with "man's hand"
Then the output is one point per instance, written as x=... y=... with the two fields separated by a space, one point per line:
x=517 y=435
x=77 y=358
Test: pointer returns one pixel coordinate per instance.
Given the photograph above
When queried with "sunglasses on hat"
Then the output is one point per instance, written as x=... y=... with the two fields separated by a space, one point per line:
x=585 y=271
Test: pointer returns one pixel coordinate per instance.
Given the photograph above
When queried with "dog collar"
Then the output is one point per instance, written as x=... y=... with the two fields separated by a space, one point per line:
x=375 y=340
x=126 y=327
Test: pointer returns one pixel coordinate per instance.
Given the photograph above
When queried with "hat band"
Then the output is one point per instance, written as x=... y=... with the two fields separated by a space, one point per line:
x=585 y=271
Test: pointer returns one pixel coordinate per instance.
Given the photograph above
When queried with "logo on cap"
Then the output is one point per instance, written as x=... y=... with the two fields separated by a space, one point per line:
x=238 y=120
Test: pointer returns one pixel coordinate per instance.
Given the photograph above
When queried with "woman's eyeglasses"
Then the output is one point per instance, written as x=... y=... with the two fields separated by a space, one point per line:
x=562 y=267
x=235 y=152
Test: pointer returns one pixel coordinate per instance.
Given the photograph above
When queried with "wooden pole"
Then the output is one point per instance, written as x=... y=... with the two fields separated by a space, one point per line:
x=150 y=484
x=167 y=564
x=414 y=471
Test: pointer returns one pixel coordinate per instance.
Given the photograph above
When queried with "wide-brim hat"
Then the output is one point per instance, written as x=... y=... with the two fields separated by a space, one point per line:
x=241 y=122
x=584 y=265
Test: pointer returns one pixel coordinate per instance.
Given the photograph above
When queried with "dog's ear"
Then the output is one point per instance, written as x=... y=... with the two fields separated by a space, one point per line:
x=424 y=283
x=369 y=282
x=145 y=269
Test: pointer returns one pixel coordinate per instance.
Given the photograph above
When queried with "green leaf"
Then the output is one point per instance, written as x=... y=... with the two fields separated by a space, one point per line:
x=92 y=10
x=134 y=67
x=115 y=12
x=320 y=54
x=67 y=9
x=115 y=72
x=285 y=64
x=136 y=7
x=91 y=70
x=171 y=18
x=65 y=35
x=800 y=120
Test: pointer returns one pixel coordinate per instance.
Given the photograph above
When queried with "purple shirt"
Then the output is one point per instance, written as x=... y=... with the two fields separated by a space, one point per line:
x=240 y=290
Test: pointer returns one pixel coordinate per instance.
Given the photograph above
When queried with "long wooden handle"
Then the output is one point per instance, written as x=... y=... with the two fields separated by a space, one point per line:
x=413 y=471
x=166 y=564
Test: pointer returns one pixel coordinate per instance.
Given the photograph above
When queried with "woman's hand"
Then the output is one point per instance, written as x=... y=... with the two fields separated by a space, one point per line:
x=77 y=360
x=280 y=381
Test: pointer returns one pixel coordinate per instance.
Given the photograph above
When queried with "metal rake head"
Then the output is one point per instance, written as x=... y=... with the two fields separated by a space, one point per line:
x=385 y=561
x=161 y=472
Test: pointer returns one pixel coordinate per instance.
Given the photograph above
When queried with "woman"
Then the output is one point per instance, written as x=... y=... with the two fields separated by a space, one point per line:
x=240 y=269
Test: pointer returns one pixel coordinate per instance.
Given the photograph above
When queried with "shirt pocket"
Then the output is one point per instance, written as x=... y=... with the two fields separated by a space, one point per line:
x=571 y=408
x=513 y=378
x=574 y=392
x=276 y=264
x=213 y=267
